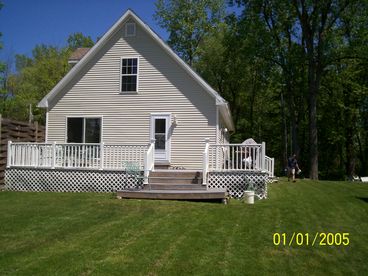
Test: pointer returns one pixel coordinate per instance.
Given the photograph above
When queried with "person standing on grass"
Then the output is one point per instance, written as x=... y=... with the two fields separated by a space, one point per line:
x=292 y=167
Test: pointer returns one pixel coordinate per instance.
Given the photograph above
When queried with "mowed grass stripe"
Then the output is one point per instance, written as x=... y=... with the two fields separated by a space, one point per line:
x=57 y=233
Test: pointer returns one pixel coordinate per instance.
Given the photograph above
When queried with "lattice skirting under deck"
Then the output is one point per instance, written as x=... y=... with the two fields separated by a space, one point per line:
x=47 y=180
x=237 y=182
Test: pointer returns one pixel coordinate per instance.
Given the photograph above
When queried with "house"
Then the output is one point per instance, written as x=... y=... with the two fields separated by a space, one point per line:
x=131 y=87
x=128 y=91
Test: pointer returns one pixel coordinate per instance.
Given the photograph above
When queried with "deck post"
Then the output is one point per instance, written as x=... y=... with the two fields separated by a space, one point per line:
x=205 y=160
x=263 y=158
x=149 y=160
x=9 y=155
x=153 y=141
x=102 y=146
x=53 y=155
x=145 y=169
x=272 y=167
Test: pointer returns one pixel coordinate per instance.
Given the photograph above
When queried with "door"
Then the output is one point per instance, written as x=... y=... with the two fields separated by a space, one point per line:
x=160 y=130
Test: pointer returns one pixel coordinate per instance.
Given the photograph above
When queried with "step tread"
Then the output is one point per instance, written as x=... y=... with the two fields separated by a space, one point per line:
x=173 y=177
x=174 y=187
x=169 y=173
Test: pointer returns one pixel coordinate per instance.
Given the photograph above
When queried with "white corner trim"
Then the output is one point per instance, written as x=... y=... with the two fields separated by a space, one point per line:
x=217 y=123
x=47 y=125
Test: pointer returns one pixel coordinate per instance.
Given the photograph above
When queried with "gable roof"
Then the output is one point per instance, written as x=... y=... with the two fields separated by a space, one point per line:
x=224 y=108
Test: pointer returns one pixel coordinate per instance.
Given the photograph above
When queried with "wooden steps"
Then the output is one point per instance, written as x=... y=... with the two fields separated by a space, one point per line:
x=175 y=185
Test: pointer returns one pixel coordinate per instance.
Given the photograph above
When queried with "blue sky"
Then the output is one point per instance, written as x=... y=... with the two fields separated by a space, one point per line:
x=25 y=23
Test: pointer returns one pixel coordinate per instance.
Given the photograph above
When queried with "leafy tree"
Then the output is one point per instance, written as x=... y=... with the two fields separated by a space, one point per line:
x=303 y=39
x=35 y=78
x=78 y=40
x=36 y=75
x=188 y=22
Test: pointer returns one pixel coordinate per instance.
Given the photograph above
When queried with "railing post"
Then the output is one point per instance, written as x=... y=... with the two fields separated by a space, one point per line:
x=53 y=155
x=153 y=141
x=205 y=160
x=9 y=153
x=145 y=167
x=263 y=159
x=102 y=151
x=149 y=160
x=273 y=167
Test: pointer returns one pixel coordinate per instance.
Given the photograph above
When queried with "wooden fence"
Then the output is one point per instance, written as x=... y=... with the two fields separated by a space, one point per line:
x=16 y=131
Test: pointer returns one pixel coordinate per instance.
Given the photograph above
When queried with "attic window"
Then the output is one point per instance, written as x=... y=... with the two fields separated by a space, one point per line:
x=130 y=29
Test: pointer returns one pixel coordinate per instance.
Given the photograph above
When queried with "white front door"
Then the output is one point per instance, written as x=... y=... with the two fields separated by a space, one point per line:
x=160 y=131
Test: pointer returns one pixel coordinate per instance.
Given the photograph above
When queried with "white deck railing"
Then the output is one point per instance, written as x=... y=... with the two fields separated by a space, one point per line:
x=236 y=157
x=80 y=156
x=117 y=156
x=233 y=157
x=86 y=156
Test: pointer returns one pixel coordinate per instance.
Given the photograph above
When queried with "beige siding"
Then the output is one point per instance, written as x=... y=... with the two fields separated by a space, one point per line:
x=163 y=87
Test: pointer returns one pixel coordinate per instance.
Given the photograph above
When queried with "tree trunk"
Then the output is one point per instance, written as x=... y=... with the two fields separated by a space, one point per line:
x=293 y=116
x=349 y=135
x=285 y=133
x=313 y=134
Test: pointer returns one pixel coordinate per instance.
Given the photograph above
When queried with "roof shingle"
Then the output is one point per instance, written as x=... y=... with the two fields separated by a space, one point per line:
x=78 y=54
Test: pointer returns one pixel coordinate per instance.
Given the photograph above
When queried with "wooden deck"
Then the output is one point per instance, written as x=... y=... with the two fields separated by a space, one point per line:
x=220 y=194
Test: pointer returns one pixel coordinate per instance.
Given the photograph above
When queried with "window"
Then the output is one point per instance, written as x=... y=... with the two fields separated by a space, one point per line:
x=84 y=130
x=160 y=133
x=130 y=29
x=129 y=74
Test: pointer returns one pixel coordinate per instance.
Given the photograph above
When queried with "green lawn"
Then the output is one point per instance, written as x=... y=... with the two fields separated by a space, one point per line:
x=65 y=233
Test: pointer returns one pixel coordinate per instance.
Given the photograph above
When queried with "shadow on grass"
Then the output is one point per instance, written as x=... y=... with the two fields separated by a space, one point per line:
x=365 y=199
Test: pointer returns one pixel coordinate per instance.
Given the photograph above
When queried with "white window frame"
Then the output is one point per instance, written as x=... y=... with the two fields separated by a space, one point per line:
x=84 y=126
x=121 y=75
x=126 y=29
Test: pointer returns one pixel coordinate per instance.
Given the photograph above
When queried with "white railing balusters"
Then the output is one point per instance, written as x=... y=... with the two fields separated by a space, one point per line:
x=234 y=157
x=53 y=155
x=102 y=156
x=75 y=156
x=237 y=157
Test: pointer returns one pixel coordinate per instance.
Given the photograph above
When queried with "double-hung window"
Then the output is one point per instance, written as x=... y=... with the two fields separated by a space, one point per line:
x=129 y=74
x=83 y=130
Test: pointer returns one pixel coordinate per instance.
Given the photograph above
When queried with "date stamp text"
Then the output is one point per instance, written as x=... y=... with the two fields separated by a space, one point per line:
x=307 y=239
